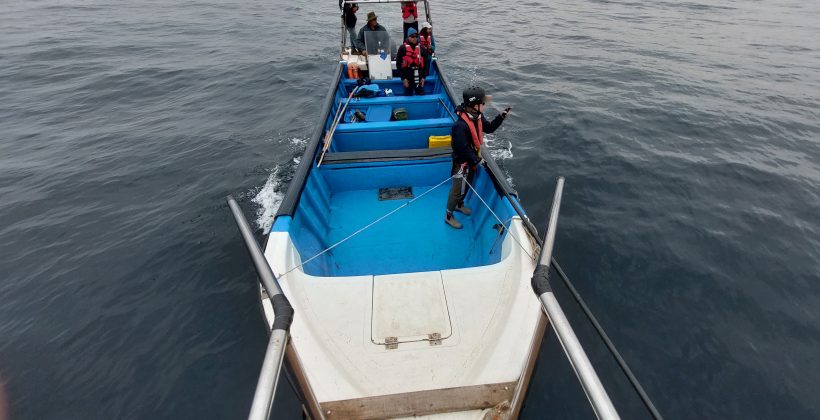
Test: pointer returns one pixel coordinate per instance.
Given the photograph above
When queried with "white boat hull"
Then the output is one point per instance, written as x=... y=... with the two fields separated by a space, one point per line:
x=486 y=317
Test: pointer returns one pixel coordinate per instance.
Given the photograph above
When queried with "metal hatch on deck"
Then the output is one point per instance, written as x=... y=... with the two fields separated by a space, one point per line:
x=409 y=307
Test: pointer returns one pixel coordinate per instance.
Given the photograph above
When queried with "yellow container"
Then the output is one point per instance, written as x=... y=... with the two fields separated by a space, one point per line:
x=439 y=141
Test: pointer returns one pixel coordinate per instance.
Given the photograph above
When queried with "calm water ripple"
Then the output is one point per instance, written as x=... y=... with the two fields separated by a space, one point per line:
x=688 y=133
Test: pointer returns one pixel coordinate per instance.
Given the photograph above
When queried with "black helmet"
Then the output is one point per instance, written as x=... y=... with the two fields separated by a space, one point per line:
x=473 y=95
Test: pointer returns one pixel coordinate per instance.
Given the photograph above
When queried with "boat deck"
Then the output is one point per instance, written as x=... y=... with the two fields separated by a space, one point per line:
x=414 y=238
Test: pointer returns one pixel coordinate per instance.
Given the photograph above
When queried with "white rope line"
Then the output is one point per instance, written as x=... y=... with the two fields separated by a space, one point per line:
x=496 y=217
x=365 y=227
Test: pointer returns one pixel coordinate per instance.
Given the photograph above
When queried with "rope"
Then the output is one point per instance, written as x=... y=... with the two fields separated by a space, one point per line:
x=496 y=217
x=369 y=225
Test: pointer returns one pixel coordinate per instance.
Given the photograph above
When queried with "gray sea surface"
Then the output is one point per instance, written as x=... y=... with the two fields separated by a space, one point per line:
x=687 y=132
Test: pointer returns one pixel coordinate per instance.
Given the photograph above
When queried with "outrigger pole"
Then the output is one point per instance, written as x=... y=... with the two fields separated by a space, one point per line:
x=566 y=336
x=283 y=316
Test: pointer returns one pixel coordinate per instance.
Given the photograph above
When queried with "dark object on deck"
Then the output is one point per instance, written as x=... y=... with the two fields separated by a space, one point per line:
x=399 y=114
x=395 y=193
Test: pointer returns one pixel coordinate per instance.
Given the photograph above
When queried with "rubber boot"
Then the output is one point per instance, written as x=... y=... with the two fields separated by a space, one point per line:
x=450 y=220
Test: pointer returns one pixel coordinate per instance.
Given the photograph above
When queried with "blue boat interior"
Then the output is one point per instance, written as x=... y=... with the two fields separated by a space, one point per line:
x=343 y=201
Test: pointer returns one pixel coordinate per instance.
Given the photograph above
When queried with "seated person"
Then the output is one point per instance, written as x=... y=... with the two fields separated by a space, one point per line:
x=372 y=26
x=410 y=63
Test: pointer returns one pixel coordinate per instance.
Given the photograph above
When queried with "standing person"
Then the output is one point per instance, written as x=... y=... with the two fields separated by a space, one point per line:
x=410 y=16
x=349 y=15
x=427 y=43
x=411 y=64
x=467 y=138
x=372 y=26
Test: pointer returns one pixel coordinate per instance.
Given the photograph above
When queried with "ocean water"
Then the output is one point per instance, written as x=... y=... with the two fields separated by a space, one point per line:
x=687 y=132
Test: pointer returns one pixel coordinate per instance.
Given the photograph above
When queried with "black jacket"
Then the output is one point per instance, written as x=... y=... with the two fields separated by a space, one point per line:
x=350 y=17
x=462 y=141
x=360 y=39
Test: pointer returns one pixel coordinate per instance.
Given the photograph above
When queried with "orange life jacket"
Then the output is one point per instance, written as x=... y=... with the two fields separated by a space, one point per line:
x=424 y=41
x=412 y=57
x=409 y=8
x=476 y=130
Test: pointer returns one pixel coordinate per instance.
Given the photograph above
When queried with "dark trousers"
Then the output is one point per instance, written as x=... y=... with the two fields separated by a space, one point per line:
x=412 y=88
x=459 y=189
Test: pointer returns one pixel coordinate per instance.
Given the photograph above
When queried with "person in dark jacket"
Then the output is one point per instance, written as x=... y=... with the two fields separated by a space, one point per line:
x=467 y=138
x=410 y=62
x=349 y=15
x=372 y=26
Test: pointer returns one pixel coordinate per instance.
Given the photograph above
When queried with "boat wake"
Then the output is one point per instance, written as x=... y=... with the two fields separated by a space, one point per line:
x=500 y=152
x=268 y=198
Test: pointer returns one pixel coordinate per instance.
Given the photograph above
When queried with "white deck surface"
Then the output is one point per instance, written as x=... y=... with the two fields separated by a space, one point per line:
x=491 y=312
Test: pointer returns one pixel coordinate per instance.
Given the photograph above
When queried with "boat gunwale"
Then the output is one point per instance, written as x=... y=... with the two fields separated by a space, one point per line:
x=293 y=195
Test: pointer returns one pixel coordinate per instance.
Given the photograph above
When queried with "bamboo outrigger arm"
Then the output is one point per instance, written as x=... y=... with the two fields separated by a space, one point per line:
x=283 y=317
x=592 y=386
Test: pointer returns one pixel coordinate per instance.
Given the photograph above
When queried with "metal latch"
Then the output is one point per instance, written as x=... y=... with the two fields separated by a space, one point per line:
x=391 y=343
x=434 y=339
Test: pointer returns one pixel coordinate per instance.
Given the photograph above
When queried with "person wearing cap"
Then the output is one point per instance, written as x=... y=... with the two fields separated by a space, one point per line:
x=349 y=16
x=410 y=63
x=466 y=140
x=372 y=26
x=410 y=16
x=427 y=43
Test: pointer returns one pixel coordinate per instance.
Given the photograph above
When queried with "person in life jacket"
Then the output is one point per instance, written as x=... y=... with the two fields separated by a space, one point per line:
x=410 y=16
x=427 y=43
x=411 y=66
x=467 y=139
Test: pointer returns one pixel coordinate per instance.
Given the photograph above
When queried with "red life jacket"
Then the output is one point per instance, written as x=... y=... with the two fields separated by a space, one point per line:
x=424 y=41
x=407 y=9
x=412 y=57
x=476 y=130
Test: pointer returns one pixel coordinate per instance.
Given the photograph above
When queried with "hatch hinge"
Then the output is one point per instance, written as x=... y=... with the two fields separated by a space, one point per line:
x=391 y=343
x=434 y=339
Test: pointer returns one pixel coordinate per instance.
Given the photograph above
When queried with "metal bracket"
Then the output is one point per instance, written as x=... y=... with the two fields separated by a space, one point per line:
x=391 y=343
x=434 y=339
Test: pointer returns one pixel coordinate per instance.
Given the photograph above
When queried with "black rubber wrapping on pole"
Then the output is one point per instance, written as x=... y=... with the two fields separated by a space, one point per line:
x=282 y=313
x=647 y=402
x=541 y=280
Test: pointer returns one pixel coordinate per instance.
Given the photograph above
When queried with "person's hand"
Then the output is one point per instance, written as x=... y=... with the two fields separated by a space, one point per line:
x=506 y=112
x=406 y=83
x=421 y=82
x=481 y=162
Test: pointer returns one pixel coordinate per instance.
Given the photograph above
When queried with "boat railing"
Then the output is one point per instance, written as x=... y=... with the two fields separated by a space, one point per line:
x=590 y=382
x=283 y=317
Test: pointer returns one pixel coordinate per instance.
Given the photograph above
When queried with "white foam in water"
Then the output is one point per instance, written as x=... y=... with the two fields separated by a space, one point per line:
x=268 y=198
x=500 y=153
x=298 y=142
